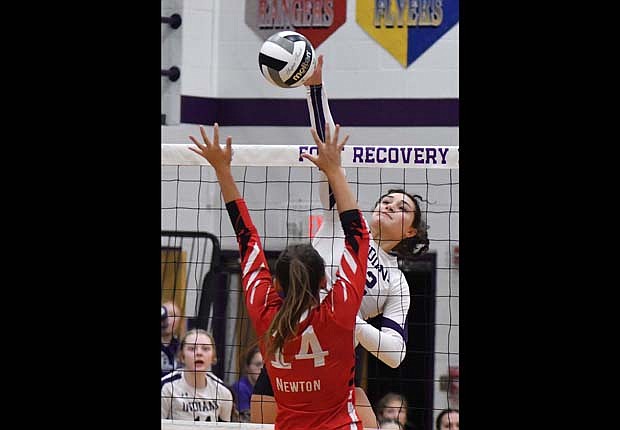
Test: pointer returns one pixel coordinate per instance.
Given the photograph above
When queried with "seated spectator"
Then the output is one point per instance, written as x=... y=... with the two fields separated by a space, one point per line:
x=242 y=389
x=390 y=424
x=448 y=419
x=193 y=393
x=172 y=330
x=393 y=406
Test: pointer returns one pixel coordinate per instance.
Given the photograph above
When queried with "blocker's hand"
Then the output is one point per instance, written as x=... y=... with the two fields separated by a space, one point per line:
x=217 y=156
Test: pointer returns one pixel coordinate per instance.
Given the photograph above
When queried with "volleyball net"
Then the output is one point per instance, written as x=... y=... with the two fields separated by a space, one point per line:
x=200 y=261
x=198 y=425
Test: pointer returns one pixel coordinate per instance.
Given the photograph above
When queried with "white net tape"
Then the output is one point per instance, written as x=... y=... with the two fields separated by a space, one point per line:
x=427 y=157
x=199 y=425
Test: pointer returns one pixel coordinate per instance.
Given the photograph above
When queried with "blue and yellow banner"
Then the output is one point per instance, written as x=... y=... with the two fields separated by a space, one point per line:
x=407 y=28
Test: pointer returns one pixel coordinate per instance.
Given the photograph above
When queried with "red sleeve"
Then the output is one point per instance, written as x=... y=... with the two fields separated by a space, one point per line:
x=261 y=299
x=347 y=291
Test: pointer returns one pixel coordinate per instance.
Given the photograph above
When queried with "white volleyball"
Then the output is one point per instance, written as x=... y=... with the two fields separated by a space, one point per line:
x=287 y=59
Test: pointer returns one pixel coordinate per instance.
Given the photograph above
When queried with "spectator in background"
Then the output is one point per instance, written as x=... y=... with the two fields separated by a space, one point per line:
x=242 y=389
x=172 y=330
x=390 y=424
x=448 y=419
x=393 y=406
x=193 y=393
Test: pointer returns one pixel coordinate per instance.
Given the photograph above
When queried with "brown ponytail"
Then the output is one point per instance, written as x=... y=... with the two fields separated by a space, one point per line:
x=299 y=271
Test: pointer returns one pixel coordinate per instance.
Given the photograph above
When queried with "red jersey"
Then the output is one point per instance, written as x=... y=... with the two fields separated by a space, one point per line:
x=314 y=379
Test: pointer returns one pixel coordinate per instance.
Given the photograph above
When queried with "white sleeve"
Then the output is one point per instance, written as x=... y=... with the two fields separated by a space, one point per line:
x=318 y=108
x=225 y=410
x=166 y=401
x=320 y=117
x=396 y=306
x=388 y=344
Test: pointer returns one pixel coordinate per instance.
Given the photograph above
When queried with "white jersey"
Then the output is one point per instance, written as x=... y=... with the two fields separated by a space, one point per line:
x=387 y=290
x=181 y=401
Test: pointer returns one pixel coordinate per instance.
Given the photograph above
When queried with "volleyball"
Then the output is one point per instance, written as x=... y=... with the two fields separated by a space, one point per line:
x=287 y=59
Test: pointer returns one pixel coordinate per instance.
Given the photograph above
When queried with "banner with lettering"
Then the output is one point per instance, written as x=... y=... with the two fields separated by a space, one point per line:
x=407 y=28
x=424 y=157
x=315 y=19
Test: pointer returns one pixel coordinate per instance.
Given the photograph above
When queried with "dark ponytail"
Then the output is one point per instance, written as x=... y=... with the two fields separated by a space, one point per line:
x=299 y=271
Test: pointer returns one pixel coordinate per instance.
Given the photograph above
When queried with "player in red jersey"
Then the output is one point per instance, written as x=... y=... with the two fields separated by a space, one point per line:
x=308 y=344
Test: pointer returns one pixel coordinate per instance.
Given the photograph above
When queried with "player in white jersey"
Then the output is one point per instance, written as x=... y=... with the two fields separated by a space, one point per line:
x=396 y=227
x=193 y=393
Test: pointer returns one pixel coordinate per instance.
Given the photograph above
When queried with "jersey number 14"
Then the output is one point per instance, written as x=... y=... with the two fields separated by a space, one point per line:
x=310 y=348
